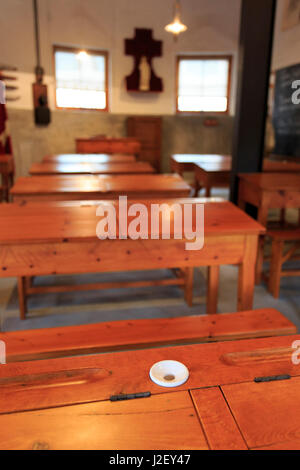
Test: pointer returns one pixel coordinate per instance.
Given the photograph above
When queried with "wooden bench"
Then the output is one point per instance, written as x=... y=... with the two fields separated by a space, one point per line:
x=140 y=334
x=278 y=257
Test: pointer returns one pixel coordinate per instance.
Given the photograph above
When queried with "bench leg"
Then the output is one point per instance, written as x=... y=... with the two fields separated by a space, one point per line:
x=188 y=287
x=213 y=276
x=22 y=297
x=275 y=268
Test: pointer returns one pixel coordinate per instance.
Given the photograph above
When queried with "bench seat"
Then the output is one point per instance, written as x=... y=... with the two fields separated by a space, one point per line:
x=141 y=334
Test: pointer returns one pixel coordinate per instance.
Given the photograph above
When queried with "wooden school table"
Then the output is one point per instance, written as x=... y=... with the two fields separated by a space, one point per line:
x=109 y=145
x=81 y=187
x=214 y=170
x=268 y=191
x=210 y=170
x=281 y=166
x=211 y=175
x=49 y=168
x=239 y=395
x=88 y=158
x=60 y=238
x=181 y=163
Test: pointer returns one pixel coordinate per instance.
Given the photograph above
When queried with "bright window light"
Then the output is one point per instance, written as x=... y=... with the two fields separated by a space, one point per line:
x=203 y=84
x=80 y=79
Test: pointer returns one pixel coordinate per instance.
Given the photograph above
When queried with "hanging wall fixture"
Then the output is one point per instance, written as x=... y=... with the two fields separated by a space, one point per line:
x=40 y=96
x=176 y=27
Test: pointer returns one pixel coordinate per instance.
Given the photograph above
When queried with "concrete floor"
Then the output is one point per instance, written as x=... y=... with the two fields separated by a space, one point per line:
x=49 y=310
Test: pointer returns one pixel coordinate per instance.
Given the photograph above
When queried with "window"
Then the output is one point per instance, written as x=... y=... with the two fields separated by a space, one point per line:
x=203 y=83
x=81 y=78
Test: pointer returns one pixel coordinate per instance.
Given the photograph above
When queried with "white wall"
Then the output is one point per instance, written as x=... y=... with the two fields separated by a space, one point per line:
x=213 y=27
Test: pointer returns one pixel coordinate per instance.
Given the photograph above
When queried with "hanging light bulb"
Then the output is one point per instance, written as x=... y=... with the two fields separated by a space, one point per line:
x=82 y=54
x=176 y=27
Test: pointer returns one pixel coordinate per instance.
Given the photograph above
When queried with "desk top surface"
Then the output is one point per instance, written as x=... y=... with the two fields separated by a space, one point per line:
x=47 y=222
x=281 y=165
x=89 y=158
x=211 y=163
x=48 y=168
x=99 y=184
x=221 y=383
x=273 y=181
x=103 y=138
x=200 y=158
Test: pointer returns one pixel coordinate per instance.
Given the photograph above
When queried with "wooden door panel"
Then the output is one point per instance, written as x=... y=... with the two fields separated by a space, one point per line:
x=268 y=413
x=166 y=421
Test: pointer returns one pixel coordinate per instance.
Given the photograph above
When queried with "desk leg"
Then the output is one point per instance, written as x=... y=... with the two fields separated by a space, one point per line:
x=188 y=287
x=246 y=278
x=197 y=187
x=213 y=276
x=207 y=191
x=22 y=297
x=242 y=205
x=275 y=268
x=262 y=218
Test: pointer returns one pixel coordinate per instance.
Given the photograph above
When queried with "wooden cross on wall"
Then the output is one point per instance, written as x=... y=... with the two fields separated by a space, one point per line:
x=143 y=48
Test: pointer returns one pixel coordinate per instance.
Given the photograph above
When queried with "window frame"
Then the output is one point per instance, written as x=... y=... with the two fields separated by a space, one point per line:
x=227 y=57
x=105 y=54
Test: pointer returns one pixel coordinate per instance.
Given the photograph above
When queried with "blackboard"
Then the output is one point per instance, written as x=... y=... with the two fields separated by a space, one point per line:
x=286 y=114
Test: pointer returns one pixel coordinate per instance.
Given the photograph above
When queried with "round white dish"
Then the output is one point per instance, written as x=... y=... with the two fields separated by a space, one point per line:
x=169 y=373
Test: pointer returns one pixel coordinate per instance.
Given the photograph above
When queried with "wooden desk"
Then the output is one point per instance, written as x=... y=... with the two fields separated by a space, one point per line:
x=214 y=170
x=61 y=188
x=49 y=168
x=64 y=403
x=281 y=166
x=181 y=163
x=212 y=175
x=125 y=145
x=7 y=170
x=88 y=158
x=62 y=240
x=268 y=191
